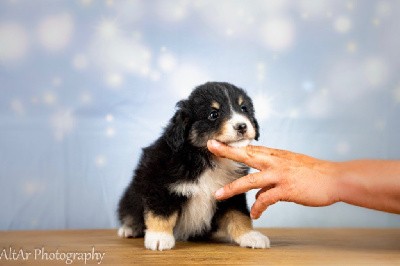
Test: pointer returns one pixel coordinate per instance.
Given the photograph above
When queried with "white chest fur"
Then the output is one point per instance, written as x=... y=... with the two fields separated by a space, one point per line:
x=197 y=213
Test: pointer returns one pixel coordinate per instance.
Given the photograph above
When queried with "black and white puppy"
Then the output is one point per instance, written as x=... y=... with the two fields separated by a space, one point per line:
x=171 y=195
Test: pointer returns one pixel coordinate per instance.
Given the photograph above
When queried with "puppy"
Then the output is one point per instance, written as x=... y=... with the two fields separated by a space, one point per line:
x=171 y=195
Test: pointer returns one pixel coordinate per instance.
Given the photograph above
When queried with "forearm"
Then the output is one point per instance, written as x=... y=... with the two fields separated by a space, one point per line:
x=372 y=184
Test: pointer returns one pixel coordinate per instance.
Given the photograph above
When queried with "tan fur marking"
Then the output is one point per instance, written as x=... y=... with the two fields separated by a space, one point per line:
x=160 y=224
x=215 y=105
x=240 y=100
x=235 y=224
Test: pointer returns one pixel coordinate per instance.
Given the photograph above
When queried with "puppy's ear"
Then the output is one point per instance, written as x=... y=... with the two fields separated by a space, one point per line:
x=178 y=127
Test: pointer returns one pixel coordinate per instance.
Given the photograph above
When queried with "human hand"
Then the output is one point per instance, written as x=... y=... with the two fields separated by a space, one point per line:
x=282 y=176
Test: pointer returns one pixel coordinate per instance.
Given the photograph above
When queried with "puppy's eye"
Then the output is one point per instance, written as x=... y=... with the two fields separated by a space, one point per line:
x=244 y=108
x=213 y=115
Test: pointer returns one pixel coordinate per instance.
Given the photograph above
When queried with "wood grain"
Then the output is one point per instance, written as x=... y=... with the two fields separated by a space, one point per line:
x=289 y=247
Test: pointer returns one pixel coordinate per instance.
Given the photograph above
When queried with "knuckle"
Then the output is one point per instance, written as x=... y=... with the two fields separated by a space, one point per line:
x=268 y=199
x=264 y=198
x=229 y=188
x=252 y=179
x=251 y=151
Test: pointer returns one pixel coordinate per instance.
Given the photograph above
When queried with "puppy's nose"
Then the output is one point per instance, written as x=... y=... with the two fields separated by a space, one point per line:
x=241 y=127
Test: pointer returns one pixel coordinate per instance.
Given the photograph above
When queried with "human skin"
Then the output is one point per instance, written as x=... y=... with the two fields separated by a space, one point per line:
x=293 y=177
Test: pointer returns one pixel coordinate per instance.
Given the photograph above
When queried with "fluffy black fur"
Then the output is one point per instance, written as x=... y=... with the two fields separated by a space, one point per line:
x=180 y=154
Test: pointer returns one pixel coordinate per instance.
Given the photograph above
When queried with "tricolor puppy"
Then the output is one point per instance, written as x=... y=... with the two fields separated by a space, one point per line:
x=171 y=195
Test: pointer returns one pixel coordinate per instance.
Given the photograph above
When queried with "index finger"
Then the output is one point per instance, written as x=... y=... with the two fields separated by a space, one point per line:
x=247 y=155
x=244 y=184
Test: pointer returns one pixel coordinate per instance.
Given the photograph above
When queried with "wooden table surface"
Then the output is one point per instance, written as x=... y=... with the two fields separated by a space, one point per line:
x=289 y=246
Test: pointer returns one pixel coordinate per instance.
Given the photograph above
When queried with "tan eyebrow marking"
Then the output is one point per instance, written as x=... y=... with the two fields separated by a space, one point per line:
x=215 y=105
x=240 y=100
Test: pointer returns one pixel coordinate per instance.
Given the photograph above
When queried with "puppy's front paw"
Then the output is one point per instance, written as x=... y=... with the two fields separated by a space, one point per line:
x=158 y=240
x=253 y=239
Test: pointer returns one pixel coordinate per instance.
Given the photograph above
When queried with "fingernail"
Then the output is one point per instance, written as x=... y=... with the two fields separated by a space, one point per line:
x=219 y=193
x=215 y=143
x=253 y=216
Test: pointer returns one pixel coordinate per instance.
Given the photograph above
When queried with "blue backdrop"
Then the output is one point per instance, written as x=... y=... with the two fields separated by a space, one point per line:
x=86 y=84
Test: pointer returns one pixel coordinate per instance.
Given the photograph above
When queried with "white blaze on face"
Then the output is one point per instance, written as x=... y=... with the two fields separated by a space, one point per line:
x=232 y=137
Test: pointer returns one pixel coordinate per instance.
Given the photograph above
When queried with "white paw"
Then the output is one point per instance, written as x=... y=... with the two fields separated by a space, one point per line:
x=253 y=239
x=125 y=231
x=158 y=240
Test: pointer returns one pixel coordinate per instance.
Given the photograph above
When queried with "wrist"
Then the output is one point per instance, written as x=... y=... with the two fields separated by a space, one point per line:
x=347 y=187
x=338 y=178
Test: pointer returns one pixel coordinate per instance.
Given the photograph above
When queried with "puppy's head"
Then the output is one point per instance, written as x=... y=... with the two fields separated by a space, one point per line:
x=214 y=110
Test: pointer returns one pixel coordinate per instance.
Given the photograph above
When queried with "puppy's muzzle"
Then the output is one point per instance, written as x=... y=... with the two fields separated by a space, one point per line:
x=241 y=128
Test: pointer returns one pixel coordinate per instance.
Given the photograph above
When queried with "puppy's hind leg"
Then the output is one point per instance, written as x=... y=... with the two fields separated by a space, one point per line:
x=239 y=228
x=131 y=228
x=131 y=215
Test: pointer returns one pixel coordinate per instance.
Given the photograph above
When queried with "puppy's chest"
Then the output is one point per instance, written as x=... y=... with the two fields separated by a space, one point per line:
x=197 y=213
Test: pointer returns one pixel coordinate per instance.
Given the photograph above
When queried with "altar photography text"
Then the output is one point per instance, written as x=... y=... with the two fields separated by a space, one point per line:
x=37 y=254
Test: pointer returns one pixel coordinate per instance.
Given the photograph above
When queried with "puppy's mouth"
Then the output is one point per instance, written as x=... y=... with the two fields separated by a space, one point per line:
x=242 y=142
x=239 y=143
